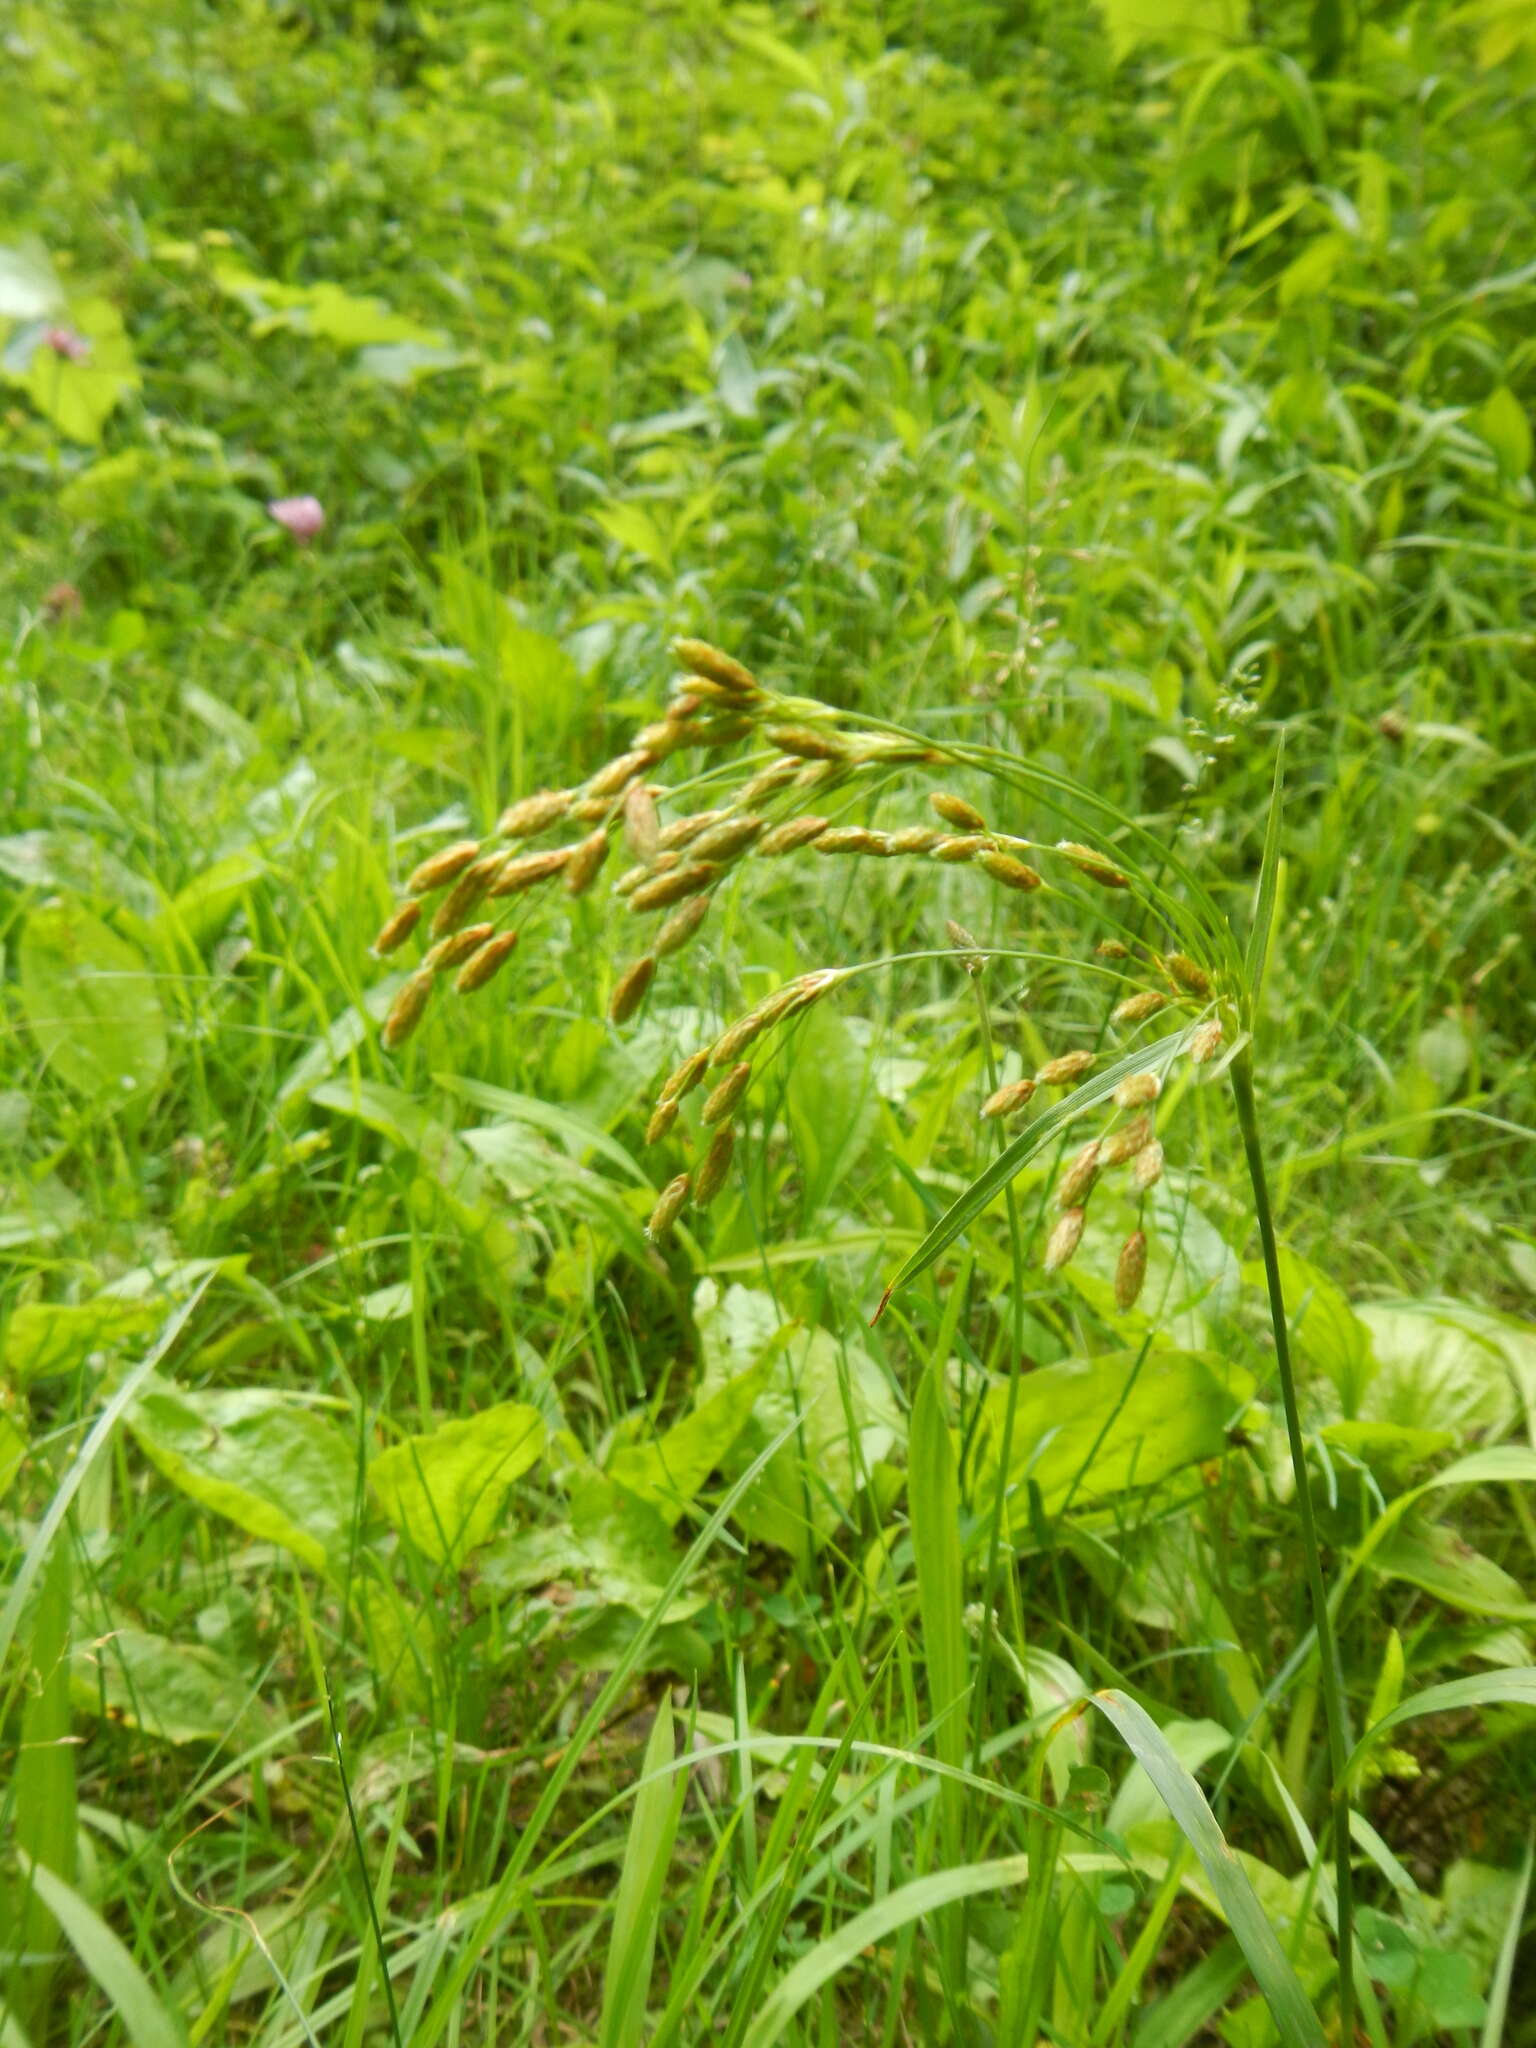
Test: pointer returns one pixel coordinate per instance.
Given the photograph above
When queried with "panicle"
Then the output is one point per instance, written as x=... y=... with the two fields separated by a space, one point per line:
x=1136 y=1090
x=807 y=743
x=968 y=946
x=465 y=894
x=968 y=846
x=793 y=833
x=725 y=840
x=673 y=886
x=1187 y=977
x=1081 y=1173
x=442 y=867
x=397 y=927
x=683 y=831
x=456 y=949
x=405 y=1011
x=684 y=1079
x=1013 y=874
x=1065 y=1068
x=717 y=1164
x=669 y=1207
x=1126 y=1142
x=1064 y=1239
x=642 y=827
x=1139 y=1007
x=534 y=814
x=663 y=1117
x=527 y=869
x=680 y=927
x=1204 y=1041
x=629 y=990
x=586 y=860
x=1147 y=1167
x=619 y=773
x=852 y=839
x=478 y=969
x=720 y=668
x=1130 y=1270
x=723 y=1098
x=916 y=839
x=954 y=810
x=1009 y=1099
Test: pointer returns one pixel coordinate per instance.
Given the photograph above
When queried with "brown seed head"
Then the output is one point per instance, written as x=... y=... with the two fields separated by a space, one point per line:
x=1064 y=1240
x=480 y=967
x=465 y=894
x=642 y=827
x=821 y=774
x=1136 y=1090
x=586 y=859
x=1147 y=1167
x=674 y=886
x=454 y=951
x=1093 y=865
x=807 y=743
x=725 y=840
x=1135 y=1009
x=533 y=814
x=967 y=945
x=717 y=1164
x=916 y=839
x=720 y=668
x=767 y=782
x=619 y=773
x=1188 y=978
x=680 y=927
x=852 y=839
x=659 y=740
x=954 y=810
x=1065 y=1068
x=1013 y=874
x=969 y=846
x=631 y=878
x=405 y=1011
x=1130 y=1270
x=669 y=1207
x=792 y=833
x=1009 y=1099
x=629 y=990
x=684 y=1079
x=397 y=928
x=663 y=1117
x=733 y=1041
x=724 y=1097
x=683 y=831
x=529 y=868
x=1082 y=1171
x=442 y=868
x=1204 y=1041
x=1126 y=1142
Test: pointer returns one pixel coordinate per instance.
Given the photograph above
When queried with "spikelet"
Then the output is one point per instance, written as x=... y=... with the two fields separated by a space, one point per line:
x=1093 y=865
x=969 y=846
x=1147 y=1167
x=631 y=878
x=1130 y=1270
x=681 y=882
x=1081 y=1173
x=618 y=774
x=534 y=814
x=1111 y=949
x=767 y=782
x=1204 y=1041
x=1013 y=874
x=1189 y=979
x=586 y=860
x=479 y=968
x=916 y=839
x=465 y=894
x=443 y=867
x=684 y=1079
x=455 y=950
x=669 y=1207
x=792 y=833
x=725 y=840
x=682 y=831
x=717 y=1164
x=733 y=1041
x=807 y=744
x=852 y=839
x=707 y=691
x=629 y=990
x=1010 y=1098
x=1064 y=1240
x=1136 y=1090
x=1135 y=1009
x=659 y=740
x=725 y=1095
x=1126 y=1142
x=1065 y=1068
x=527 y=869
x=717 y=732
x=397 y=928
x=642 y=827
x=681 y=708
x=663 y=1117
x=405 y=1011
x=680 y=927
x=954 y=810
x=720 y=668
x=968 y=947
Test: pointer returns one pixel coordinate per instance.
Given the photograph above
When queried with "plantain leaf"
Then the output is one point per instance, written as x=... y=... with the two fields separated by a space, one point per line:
x=92 y=1007
x=445 y=1490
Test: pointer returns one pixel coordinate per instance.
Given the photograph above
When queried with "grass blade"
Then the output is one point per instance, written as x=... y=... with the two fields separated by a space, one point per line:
x=637 y=1905
x=1485 y=1689
x=1504 y=1969
x=1269 y=884
x=147 y=2022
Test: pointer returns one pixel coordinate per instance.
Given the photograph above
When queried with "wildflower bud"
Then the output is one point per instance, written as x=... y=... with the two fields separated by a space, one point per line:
x=1147 y=1168
x=534 y=814
x=1013 y=874
x=582 y=868
x=1011 y=1097
x=1135 y=1009
x=1079 y=1177
x=720 y=668
x=456 y=949
x=717 y=1164
x=405 y=1011
x=806 y=744
x=642 y=827
x=954 y=810
x=725 y=840
x=465 y=894
x=970 y=846
x=794 y=832
x=528 y=868
x=684 y=1079
x=1126 y=1142
x=1130 y=1270
x=663 y=1117
x=479 y=968
x=1092 y=864
x=965 y=943
x=1204 y=1041
x=397 y=928
x=442 y=868
x=724 y=1097
x=1064 y=1240
x=618 y=774
x=1111 y=949
x=852 y=839
x=1136 y=1090
x=629 y=991
x=672 y=887
x=680 y=927
x=1065 y=1068
x=668 y=1208
x=1189 y=979
x=303 y=517
x=732 y=1043
x=683 y=831
x=916 y=839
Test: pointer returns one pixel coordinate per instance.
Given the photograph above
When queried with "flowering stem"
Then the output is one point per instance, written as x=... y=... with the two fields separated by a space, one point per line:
x=1335 y=1704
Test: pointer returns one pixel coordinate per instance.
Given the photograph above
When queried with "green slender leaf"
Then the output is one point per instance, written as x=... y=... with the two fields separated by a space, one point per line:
x=1269 y=884
x=1504 y=1970
x=45 y=1785
x=647 y=1857
x=1515 y=1688
x=146 y=2021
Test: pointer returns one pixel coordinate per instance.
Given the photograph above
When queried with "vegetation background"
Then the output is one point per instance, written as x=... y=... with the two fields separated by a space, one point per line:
x=435 y=1612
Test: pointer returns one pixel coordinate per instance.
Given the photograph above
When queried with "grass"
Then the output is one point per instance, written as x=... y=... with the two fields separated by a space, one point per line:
x=437 y=1612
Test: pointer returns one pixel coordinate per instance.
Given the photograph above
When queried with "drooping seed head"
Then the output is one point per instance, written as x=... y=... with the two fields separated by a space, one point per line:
x=586 y=860
x=717 y=1164
x=1187 y=977
x=916 y=839
x=1147 y=1167
x=733 y=1041
x=642 y=827
x=852 y=839
x=480 y=967
x=527 y=869
x=1013 y=874
x=1136 y=1009
x=465 y=894
x=405 y=1011
x=1082 y=1171
x=724 y=1097
x=794 y=832
x=456 y=949
x=1009 y=1099
x=663 y=1117
x=442 y=868
x=1064 y=1239
x=806 y=743
x=1126 y=1142
x=669 y=1207
x=397 y=928
x=1094 y=865
x=954 y=810
x=1130 y=1270
x=725 y=840
x=1136 y=1090
x=675 y=886
x=680 y=927
x=1064 y=1069
x=619 y=773
x=720 y=668
x=968 y=846
x=684 y=1079
x=629 y=990
x=1204 y=1041
x=534 y=814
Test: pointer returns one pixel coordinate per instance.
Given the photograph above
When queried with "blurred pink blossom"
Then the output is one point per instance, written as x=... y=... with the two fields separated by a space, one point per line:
x=68 y=343
x=302 y=517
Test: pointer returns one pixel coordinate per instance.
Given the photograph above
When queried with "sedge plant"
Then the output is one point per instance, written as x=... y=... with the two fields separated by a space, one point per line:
x=772 y=776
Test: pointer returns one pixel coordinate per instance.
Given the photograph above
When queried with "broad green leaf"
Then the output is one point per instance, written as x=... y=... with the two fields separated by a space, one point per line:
x=47 y=1338
x=1433 y=1372
x=256 y=1456
x=669 y=1472
x=79 y=397
x=1195 y=26
x=77 y=864
x=1435 y=1558
x=635 y=531
x=445 y=1490
x=128 y=1992
x=178 y=1692
x=93 y=1009
x=642 y=1881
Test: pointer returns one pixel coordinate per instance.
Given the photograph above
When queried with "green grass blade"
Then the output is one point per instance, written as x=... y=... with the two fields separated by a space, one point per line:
x=637 y=1905
x=1485 y=1689
x=1288 y=2002
x=1504 y=1968
x=1269 y=885
x=147 y=2022
x=45 y=1781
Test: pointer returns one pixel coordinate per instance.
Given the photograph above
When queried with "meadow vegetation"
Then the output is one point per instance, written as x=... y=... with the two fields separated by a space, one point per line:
x=912 y=1417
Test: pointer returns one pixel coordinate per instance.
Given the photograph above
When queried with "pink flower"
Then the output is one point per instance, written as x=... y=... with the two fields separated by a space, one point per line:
x=303 y=517
x=67 y=343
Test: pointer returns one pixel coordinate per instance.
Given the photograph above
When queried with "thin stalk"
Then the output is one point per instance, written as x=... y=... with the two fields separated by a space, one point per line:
x=1335 y=1704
